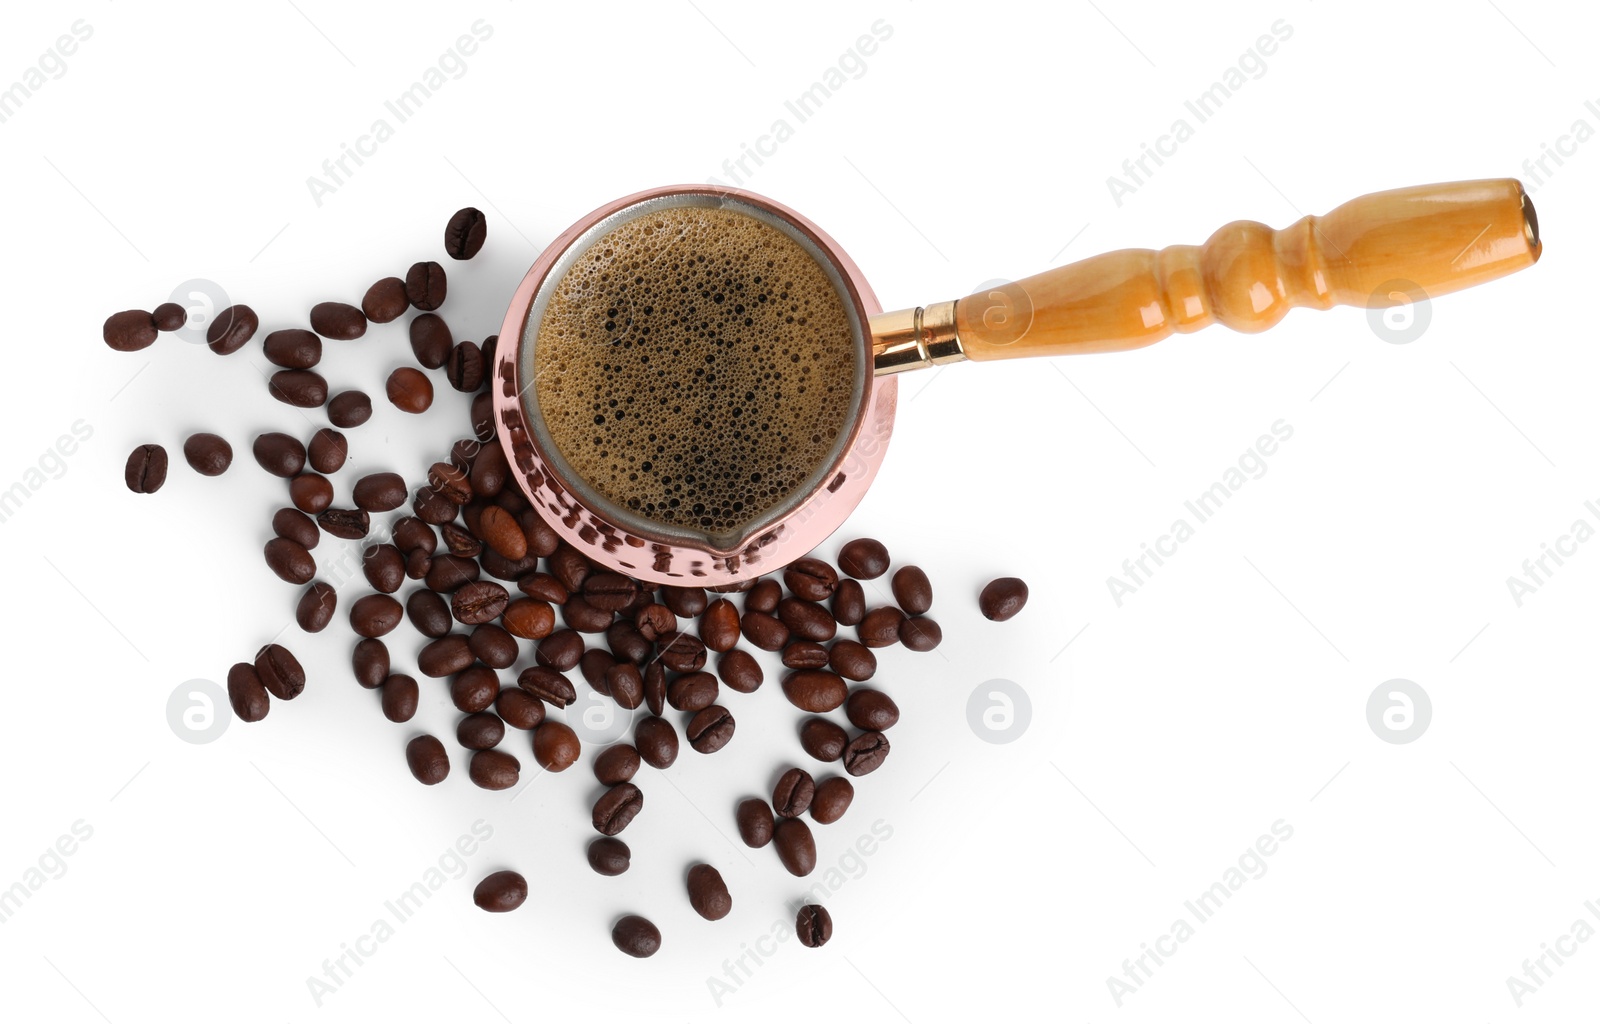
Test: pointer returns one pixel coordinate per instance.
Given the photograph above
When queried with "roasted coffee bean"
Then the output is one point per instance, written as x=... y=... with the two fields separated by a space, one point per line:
x=655 y=688
x=480 y=731
x=501 y=531
x=432 y=507
x=791 y=797
x=464 y=235
x=418 y=564
x=822 y=739
x=763 y=597
x=636 y=936
x=814 y=690
x=428 y=613
x=719 y=625
x=912 y=590
x=426 y=285
x=290 y=560
x=295 y=525
x=656 y=741
x=519 y=709
x=529 y=619
x=796 y=848
x=479 y=602
x=410 y=533
x=501 y=568
x=493 y=646
x=849 y=603
x=494 y=769
x=231 y=328
x=627 y=643
x=739 y=671
x=385 y=301
x=1002 y=598
x=207 y=454
x=375 y=615
x=483 y=416
x=449 y=482
x=129 y=330
x=431 y=339
x=708 y=893
x=686 y=602
x=548 y=685
x=294 y=349
x=474 y=689
x=345 y=523
x=445 y=656
x=710 y=730
x=280 y=672
x=920 y=633
x=409 y=390
x=311 y=493
x=764 y=631
x=807 y=621
x=146 y=469
x=370 y=660
x=870 y=710
x=681 y=652
x=502 y=891
x=384 y=566
x=852 y=660
x=616 y=807
x=338 y=320
x=459 y=540
x=349 y=409
x=328 y=451
x=584 y=617
x=881 y=627
x=380 y=492
x=865 y=753
x=654 y=621
x=426 y=758
x=609 y=591
x=561 y=650
x=169 y=316
x=865 y=559
x=625 y=684
x=279 y=454
x=693 y=691
x=813 y=925
x=246 y=695
x=609 y=855
x=449 y=573
x=399 y=698
x=490 y=472
x=315 y=609
x=569 y=566
x=616 y=764
x=811 y=579
x=542 y=537
x=755 y=822
x=464 y=367
x=594 y=665
x=832 y=799
x=303 y=389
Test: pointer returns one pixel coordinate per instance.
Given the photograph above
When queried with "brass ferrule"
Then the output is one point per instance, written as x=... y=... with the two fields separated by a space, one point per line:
x=911 y=339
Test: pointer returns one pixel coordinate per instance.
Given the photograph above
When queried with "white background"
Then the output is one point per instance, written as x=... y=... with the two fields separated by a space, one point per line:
x=1166 y=735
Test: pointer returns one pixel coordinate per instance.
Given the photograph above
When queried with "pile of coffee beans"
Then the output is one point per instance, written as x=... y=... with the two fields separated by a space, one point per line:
x=487 y=579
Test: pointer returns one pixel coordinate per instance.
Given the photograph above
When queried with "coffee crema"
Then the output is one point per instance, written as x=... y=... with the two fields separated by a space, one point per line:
x=694 y=366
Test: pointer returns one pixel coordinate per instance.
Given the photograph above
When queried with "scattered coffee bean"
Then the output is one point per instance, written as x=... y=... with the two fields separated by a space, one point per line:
x=279 y=454
x=617 y=763
x=1002 y=598
x=349 y=409
x=464 y=235
x=854 y=661
x=489 y=474
x=519 y=708
x=316 y=606
x=380 y=492
x=431 y=339
x=289 y=560
x=338 y=320
x=796 y=847
x=763 y=597
x=426 y=285
x=719 y=625
x=130 y=330
x=617 y=807
x=493 y=646
x=849 y=603
x=449 y=573
x=912 y=590
x=384 y=566
x=655 y=621
x=625 y=683
x=445 y=656
x=474 y=688
x=710 y=730
x=208 y=454
x=548 y=685
x=385 y=301
x=280 y=672
x=791 y=797
x=656 y=741
x=500 y=892
x=375 y=615
x=814 y=690
x=627 y=643
x=920 y=633
x=881 y=627
x=292 y=524
x=345 y=523
x=529 y=619
x=409 y=390
x=494 y=769
x=740 y=671
x=479 y=602
x=231 y=328
x=503 y=533
x=708 y=893
x=555 y=746
x=428 y=613
x=399 y=697
x=293 y=349
x=655 y=688
x=370 y=660
x=464 y=368
x=754 y=817
x=410 y=533
x=813 y=925
x=426 y=758
x=823 y=740
x=328 y=451
x=636 y=936
x=580 y=615
x=169 y=316
x=303 y=389
x=480 y=731
x=561 y=650
x=246 y=695
x=865 y=559
x=685 y=602
x=609 y=855
x=811 y=579
x=692 y=691
x=311 y=493
x=764 y=631
x=146 y=469
x=866 y=753
x=871 y=710
x=832 y=799
x=806 y=621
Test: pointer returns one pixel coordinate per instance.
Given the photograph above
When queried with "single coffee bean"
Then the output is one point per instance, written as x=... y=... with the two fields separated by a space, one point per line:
x=627 y=643
x=548 y=685
x=881 y=627
x=529 y=619
x=849 y=603
x=370 y=660
x=569 y=566
x=315 y=609
x=654 y=621
x=294 y=349
x=480 y=731
x=609 y=591
x=791 y=797
x=832 y=799
x=426 y=758
x=501 y=531
x=636 y=936
x=246 y=695
x=865 y=559
x=290 y=561
x=870 y=710
x=655 y=688
x=450 y=482
x=449 y=573
x=710 y=730
x=865 y=753
x=763 y=597
x=410 y=533
x=625 y=683
x=474 y=688
x=490 y=472
x=616 y=807
x=493 y=646
x=432 y=507
x=375 y=615
x=380 y=492
x=208 y=454
x=483 y=417
x=1002 y=598
x=501 y=568
x=555 y=746
x=708 y=893
x=445 y=656
x=146 y=469
x=399 y=698
x=796 y=847
x=764 y=631
x=739 y=671
x=681 y=652
x=231 y=328
x=494 y=769
x=428 y=613
x=542 y=537
x=811 y=579
x=822 y=739
x=479 y=602
x=852 y=660
x=464 y=367
x=169 y=317
x=500 y=892
x=303 y=389
x=338 y=320
x=426 y=285
x=431 y=340
x=686 y=602
x=519 y=709
x=409 y=390
x=328 y=451
x=311 y=493
x=692 y=691
x=280 y=672
x=561 y=650
x=385 y=301
x=617 y=763
x=130 y=330
x=754 y=817
x=279 y=454
x=719 y=625
x=295 y=525
x=460 y=541
x=912 y=590
x=920 y=633
x=656 y=741
x=384 y=566
x=609 y=855
x=464 y=235
x=813 y=925
x=806 y=620
x=349 y=409
x=580 y=615
x=345 y=523
x=814 y=690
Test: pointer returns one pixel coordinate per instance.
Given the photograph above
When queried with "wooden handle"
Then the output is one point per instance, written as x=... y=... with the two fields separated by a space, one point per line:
x=1379 y=250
